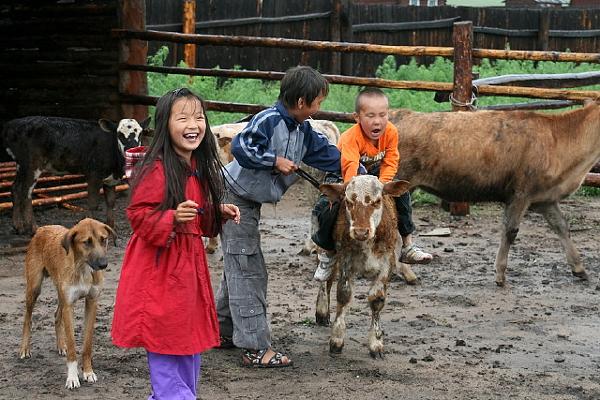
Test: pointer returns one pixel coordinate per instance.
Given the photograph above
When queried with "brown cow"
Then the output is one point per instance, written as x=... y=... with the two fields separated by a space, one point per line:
x=366 y=234
x=524 y=159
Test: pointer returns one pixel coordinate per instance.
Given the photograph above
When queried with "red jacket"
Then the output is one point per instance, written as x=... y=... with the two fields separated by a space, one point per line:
x=164 y=300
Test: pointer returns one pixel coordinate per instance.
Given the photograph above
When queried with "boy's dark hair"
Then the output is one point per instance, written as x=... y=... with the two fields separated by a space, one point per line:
x=302 y=82
x=208 y=164
x=367 y=92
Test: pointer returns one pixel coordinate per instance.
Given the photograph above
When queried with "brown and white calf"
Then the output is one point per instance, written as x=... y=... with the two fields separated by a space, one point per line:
x=366 y=234
x=524 y=159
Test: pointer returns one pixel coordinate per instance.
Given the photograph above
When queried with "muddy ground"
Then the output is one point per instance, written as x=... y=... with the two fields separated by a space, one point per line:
x=454 y=336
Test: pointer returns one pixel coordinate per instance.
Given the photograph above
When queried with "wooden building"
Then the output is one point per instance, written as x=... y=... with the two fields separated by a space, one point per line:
x=585 y=3
x=58 y=58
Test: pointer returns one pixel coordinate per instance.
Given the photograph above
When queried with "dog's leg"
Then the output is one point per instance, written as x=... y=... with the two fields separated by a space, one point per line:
x=72 y=374
x=59 y=329
x=91 y=305
x=34 y=287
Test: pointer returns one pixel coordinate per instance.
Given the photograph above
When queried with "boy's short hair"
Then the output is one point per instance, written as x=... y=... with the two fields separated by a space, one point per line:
x=302 y=82
x=367 y=92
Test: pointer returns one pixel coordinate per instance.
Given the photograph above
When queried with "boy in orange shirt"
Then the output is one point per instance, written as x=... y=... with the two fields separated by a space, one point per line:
x=370 y=146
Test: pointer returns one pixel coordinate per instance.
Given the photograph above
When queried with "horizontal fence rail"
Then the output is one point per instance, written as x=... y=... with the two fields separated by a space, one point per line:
x=345 y=47
x=488 y=90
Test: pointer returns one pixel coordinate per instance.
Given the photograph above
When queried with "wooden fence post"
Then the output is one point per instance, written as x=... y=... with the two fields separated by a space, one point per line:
x=335 y=32
x=346 y=35
x=543 y=30
x=189 y=26
x=132 y=15
x=461 y=98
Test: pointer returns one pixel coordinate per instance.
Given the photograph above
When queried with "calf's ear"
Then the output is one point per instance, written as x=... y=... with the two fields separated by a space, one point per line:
x=333 y=191
x=107 y=126
x=224 y=141
x=145 y=123
x=396 y=188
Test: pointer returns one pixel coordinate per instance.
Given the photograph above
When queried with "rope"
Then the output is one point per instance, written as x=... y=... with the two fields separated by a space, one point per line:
x=471 y=104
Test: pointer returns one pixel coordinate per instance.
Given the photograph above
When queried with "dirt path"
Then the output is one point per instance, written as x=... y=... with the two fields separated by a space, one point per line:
x=454 y=336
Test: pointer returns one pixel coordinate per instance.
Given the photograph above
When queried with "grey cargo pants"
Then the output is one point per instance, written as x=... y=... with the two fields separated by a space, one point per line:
x=242 y=296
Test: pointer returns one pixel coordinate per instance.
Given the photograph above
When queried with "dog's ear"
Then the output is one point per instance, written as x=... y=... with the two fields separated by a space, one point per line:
x=112 y=233
x=67 y=240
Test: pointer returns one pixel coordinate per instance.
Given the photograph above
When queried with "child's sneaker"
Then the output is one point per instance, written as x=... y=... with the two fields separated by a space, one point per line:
x=325 y=267
x=414 y=255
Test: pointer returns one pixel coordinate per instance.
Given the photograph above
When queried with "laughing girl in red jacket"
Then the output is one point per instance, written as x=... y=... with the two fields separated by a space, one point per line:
x=164 y=300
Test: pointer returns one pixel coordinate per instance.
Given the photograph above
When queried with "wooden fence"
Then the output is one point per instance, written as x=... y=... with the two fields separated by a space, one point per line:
x=461 y=90
x=577 y=30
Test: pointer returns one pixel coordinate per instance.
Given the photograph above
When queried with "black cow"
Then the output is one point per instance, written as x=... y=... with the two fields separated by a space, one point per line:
x=65 y=145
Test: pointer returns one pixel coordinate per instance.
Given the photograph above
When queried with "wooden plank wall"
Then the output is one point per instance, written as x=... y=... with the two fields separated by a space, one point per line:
x=504 y=23
x=58 y=59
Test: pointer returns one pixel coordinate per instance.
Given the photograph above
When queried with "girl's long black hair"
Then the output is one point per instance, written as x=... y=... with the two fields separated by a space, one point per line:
x=208 y=164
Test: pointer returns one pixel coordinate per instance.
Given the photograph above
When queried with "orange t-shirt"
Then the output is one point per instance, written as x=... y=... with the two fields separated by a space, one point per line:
x=356 y=147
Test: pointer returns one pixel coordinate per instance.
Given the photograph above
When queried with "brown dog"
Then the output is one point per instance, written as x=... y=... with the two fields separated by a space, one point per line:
x=74 y=259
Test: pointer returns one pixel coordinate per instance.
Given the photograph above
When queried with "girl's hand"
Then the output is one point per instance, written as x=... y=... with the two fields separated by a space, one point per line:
x=231 y=211
x=186 y=211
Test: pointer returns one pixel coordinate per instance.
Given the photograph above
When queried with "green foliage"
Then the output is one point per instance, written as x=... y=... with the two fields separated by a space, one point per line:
x=587 y=191
x=420 y=197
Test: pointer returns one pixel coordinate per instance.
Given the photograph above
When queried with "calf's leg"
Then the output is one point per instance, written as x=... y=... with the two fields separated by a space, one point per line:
x=22 y=189
x=94 y=185
x=344 y=295
x=323 y=302
x=109 y=198
x=376 y=298
x=212 y=245
x=513 y=213
x=559 y=224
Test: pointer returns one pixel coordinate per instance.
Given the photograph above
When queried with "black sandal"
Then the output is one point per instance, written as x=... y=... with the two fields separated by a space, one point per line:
x=254 y=359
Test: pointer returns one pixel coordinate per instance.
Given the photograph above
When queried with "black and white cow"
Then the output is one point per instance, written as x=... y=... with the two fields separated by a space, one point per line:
x=65 y=145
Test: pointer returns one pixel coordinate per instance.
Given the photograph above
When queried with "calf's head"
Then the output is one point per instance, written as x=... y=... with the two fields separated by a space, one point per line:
x=363 y=197
x=88 y=240
x=224 y=135
x=129 y=132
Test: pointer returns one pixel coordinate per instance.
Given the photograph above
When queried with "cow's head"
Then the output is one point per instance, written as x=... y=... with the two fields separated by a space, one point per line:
x=363 y=198
x=129 y=132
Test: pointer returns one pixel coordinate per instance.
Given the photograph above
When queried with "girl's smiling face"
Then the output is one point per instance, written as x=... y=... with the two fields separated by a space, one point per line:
x=187 y=125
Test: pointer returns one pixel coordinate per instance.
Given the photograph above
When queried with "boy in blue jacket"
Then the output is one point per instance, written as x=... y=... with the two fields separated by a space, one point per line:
x=267 y=153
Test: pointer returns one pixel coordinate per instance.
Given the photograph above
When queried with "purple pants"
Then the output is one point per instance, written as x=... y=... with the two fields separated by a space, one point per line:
x=174 y=377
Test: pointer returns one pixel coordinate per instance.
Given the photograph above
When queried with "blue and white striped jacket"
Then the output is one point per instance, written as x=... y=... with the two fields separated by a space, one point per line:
x=271 y=133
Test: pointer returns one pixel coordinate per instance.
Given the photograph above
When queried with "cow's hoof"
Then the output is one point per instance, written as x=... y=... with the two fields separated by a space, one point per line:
x=581 y=275
x=376 y=354
x=412 y=282
x=335 y=349
x=322 y=320
x=500 y=283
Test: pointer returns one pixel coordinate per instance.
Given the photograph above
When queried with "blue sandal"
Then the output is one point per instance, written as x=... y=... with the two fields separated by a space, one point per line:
x=254 y=359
